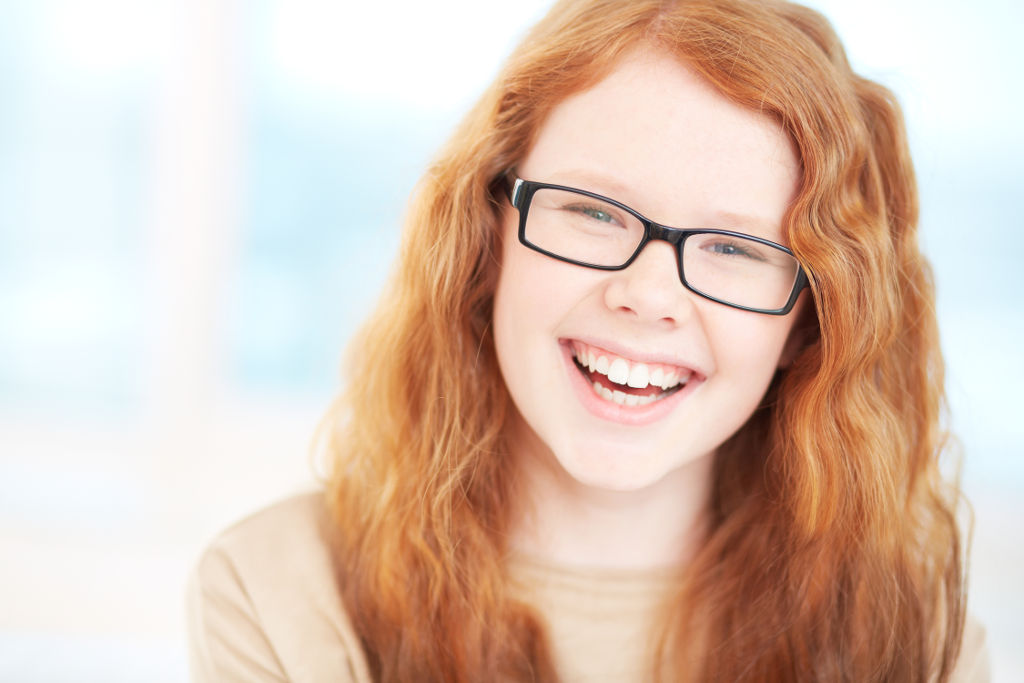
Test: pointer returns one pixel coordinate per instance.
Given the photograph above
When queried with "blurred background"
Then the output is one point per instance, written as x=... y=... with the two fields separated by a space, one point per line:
x=199 y=200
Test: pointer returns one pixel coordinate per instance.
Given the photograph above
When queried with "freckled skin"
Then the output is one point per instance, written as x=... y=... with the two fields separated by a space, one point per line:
x=656 y=137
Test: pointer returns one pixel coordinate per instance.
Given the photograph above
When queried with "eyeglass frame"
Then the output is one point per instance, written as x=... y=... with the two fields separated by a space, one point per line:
x=521 y=192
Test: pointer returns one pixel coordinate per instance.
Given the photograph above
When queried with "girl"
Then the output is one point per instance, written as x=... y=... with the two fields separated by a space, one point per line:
x=654 y=393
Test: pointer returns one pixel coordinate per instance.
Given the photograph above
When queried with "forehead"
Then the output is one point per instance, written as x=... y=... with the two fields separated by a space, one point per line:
x=657 y=136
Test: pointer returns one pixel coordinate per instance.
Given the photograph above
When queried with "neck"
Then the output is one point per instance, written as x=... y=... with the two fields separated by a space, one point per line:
x=569 y=523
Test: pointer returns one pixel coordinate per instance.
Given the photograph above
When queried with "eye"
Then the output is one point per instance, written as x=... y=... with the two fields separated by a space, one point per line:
x=597 y=214
x=727 y=249
x=735 y=248
x=594 y=212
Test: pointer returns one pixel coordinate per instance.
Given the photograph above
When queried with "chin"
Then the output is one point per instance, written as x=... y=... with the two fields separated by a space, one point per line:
x=597 y=468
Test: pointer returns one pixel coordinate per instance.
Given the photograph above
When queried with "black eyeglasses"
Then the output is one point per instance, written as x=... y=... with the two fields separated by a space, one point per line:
x=586 y=229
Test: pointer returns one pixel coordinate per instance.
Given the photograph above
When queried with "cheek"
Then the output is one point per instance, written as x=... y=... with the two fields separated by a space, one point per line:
x=749 y=345
x=521 y=313
x=515 y=303
x=534 y=292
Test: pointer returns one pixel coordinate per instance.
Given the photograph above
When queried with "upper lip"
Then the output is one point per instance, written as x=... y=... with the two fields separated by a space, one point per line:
x=639 y=356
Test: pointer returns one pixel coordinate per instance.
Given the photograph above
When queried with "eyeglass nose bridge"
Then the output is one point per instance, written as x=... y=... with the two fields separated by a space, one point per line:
x=674 y=236
x=658 y=232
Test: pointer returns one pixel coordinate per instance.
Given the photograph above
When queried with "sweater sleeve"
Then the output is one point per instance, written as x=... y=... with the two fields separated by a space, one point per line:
x=226 y=641
x=263 y=603
x=973 y=664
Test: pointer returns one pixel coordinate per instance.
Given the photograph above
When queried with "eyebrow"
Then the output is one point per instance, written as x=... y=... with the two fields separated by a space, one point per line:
x=748 y=222
x=605 y=184
x=615 y=189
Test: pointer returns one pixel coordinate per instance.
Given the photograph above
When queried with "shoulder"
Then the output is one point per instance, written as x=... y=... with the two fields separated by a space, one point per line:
x=263 y=601
x=290 y=536
x=973 y=664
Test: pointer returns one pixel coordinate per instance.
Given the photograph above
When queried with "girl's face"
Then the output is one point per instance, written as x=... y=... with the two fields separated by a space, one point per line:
x=657 y=138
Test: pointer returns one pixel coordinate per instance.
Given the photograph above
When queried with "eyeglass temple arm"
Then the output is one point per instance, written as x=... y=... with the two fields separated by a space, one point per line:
x=512 y=185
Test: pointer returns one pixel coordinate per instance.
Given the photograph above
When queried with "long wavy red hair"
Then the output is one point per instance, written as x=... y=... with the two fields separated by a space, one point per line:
x=834 y=553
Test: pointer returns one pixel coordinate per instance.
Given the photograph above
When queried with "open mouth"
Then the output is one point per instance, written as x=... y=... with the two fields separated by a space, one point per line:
x=627 y=382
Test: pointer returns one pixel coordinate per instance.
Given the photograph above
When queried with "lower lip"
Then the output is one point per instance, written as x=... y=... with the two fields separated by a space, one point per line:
x=613 y=412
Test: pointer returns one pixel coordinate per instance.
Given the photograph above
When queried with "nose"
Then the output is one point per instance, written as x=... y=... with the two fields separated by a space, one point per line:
x=650 y=289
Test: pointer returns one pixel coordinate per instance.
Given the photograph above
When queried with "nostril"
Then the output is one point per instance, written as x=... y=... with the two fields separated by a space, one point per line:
x=627 y=309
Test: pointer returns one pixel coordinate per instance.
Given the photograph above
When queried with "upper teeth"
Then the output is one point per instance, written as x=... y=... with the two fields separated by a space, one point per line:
x=631 y=373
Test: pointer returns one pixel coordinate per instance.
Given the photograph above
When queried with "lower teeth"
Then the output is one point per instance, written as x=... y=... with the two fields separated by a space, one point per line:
x=624 y=399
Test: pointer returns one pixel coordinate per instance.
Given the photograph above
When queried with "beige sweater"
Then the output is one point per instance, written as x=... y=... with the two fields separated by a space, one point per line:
x=263 y=606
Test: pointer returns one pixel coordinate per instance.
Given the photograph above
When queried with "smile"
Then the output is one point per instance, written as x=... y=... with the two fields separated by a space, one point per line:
x=627 y=382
